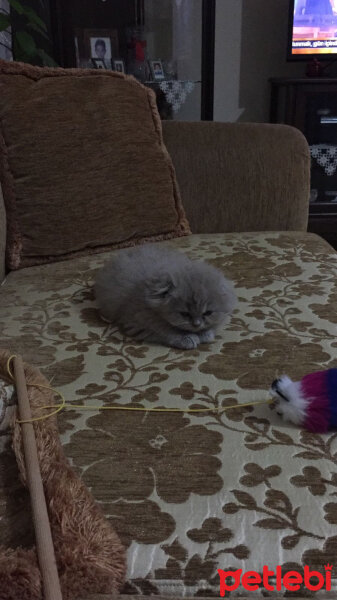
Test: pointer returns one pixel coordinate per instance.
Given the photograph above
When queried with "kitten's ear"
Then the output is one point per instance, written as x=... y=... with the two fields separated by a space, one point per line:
x=159 y=288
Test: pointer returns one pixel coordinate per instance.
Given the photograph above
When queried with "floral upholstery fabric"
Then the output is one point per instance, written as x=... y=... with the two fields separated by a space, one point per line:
x=192 y=493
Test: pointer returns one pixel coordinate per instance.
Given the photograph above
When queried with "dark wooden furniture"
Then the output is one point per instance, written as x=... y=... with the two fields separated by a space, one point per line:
x=311 y=105
x=69 y=17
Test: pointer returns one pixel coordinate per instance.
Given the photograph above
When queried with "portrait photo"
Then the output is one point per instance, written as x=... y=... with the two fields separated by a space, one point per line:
x=118 y=65
x=100 y=47
x=157 y=69
x=99 y=63
x=98 y=44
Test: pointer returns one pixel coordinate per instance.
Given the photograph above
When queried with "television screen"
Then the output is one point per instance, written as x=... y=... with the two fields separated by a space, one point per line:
x=313 y=28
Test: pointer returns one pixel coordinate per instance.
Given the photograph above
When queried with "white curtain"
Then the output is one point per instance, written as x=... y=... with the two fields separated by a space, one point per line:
x=187 y=38
x=186 y=50
x=5 y=36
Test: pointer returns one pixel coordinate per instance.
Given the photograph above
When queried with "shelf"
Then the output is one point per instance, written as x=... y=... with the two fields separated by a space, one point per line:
x=310 y=105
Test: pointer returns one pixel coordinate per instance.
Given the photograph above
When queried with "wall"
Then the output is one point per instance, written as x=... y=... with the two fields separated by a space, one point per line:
x=227 y=60
x=250 y=47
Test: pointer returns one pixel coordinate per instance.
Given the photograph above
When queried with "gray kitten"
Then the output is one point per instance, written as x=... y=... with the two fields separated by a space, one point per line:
x=160 y=295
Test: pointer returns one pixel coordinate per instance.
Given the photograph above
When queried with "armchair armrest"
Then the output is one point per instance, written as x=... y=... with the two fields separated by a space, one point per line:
x=240 y=176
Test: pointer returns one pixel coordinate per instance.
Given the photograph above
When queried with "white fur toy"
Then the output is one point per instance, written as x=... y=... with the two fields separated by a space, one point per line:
x=311 y=402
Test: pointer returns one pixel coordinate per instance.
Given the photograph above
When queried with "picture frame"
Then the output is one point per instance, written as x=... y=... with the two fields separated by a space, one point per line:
x=99 y=44
x=157 y=70
x=118 y=65
x=98 y=63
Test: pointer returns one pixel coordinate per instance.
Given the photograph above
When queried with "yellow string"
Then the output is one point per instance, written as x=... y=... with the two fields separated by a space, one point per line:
x=65 y=404
x=58 y=407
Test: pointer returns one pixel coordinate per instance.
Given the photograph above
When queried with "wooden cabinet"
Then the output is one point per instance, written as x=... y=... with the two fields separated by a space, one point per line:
x=137 y=33
x=311 y=106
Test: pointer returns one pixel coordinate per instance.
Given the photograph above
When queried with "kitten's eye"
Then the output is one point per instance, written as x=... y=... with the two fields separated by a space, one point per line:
x=207 y=313
x=185 y=314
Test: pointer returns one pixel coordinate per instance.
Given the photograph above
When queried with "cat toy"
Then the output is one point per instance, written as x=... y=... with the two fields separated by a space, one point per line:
x=310 y=403
x=44 y=540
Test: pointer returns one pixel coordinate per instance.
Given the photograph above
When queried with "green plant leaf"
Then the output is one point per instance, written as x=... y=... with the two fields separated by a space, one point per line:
x=19 y=54
x=4 y=22
x=47 y=60
x=29 y=12
x=33 y=17
x=17 y=6
x=38 y=29
x=26 y=42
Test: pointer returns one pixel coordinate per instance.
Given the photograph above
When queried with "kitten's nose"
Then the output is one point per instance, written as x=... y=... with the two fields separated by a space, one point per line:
x=196 y=322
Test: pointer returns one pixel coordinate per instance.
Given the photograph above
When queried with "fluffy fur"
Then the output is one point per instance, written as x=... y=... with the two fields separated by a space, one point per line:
x=310 y=402
x=89 y=555
x=290 y=401
x=160 y=295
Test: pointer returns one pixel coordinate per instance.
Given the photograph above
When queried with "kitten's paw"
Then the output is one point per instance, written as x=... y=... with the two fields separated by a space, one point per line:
x=188 y=341
x=206 y=336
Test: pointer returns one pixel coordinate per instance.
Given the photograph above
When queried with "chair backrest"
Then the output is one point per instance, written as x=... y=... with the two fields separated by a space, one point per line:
x=240 y=176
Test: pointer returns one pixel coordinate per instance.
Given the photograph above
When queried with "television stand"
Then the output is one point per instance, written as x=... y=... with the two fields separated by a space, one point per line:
x=310 y=104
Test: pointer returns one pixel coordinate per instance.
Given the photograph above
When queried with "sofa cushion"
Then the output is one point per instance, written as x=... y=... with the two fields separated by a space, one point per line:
x=82 y=164
x=191 y=493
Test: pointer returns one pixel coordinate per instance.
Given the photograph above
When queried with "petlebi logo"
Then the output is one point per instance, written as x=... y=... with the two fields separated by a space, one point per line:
x=291 y=581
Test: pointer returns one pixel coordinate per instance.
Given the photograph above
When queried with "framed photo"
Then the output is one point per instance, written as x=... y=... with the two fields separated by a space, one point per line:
x=118 y=65
x=157 y=69
x=99 y=63
x=100 y=44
